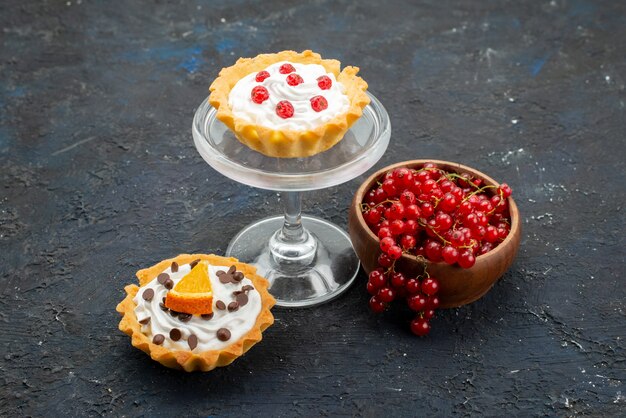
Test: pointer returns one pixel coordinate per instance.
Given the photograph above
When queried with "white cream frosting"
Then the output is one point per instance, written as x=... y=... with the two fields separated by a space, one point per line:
x=238 y=322
x=304 y=117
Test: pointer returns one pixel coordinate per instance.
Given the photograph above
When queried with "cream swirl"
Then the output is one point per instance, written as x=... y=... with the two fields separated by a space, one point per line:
x=238 y=322
x=304 y=117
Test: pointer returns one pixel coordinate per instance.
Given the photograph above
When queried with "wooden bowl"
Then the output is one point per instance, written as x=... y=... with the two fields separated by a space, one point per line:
x=458 y=286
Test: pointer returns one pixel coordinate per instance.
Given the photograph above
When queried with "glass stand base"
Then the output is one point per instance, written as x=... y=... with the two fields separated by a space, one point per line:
x=317 y=274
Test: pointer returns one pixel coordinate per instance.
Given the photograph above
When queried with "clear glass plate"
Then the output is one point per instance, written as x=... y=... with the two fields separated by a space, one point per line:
x=362 y=146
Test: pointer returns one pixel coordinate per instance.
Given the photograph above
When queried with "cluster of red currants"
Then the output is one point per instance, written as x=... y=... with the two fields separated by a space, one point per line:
x=438 y=215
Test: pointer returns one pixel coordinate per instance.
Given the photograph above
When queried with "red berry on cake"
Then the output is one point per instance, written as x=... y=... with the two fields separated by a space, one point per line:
x=294 y=79
x=261 y=75
x=286 y=69
x=284 y=109
x=259 y=94
x=324 y=82
x=319 y=103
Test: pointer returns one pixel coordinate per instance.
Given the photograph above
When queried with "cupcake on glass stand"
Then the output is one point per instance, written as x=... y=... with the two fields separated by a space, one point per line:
x=293 y=122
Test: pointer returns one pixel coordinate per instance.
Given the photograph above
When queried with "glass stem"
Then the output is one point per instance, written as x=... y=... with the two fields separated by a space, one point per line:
x=292 y=230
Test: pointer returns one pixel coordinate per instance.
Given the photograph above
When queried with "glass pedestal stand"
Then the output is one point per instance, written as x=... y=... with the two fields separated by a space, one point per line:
x=307 y=260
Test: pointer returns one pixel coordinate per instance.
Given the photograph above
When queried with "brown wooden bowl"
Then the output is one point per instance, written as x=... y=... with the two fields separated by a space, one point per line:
x=457 y=286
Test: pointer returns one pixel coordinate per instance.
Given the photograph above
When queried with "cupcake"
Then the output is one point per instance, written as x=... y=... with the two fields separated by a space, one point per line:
x=196 y=311
x=289 y=104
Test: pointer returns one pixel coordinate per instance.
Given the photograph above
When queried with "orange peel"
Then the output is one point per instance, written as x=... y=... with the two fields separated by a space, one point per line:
x=193 y=293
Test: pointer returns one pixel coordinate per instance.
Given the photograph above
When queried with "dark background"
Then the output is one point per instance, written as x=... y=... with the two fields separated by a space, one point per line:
x=100 y=178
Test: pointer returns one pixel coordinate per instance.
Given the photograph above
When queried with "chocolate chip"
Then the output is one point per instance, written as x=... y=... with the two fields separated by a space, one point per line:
x=238 y=276
x=223 y=334
x=174 y=313
x=194 y=263
x=232 y=269
x=192 y=341
x=184 y=317
x=163 y=299
x=174 y=267
x=233 y=306
x=220 y=305
x=161 y=278
x=145 y=321
x=169 y=283
x=207 y=316
x=148 y=294
x=241 y=299
x=158 y=339
x=247 y=287
x=175 y=334
x=237 y=292
x=224 y=277
x=163 y=307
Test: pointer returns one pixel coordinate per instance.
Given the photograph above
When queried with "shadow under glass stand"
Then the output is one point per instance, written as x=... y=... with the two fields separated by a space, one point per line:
x=307 y=260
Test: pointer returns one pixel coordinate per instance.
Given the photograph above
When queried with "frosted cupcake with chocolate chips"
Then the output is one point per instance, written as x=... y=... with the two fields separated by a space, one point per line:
x=196 y=311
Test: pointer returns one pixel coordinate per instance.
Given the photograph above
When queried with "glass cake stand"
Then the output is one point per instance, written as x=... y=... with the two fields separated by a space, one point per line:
x=307 y=260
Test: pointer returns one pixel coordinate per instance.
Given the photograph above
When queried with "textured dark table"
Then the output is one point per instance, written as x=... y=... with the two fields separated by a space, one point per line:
x=100 y=178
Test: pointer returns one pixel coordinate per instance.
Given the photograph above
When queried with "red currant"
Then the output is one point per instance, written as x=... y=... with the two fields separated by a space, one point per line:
x=433 y=251
x=450 y=254
x=428 y=186
x=396 y=211
x=372 y=216
x=412 y=286
x=319 y=103
x=412 y=212
x=419 y=326
x=430 y=286
x=377 y=305
x=491 y=233
x=324 y=82
x=386 y=294
x=395 y=252
x=407 y=198
x=443 y=221
x=429 y=313
x=389 y=186
x=417 y=302
x=456 y=238
x=379 y=195
x=377 y=278
x=386 y=244
x=371 y=289
x=466 y=259
x=427 y=210
x=398 y=280
x=403 y=176
x=286 y=68
x=261 y=75
x=465 y=208
x=259 y=94
x=384 y=232
x=294 y=79
x=432 y=302
x=384 y=260
x=448 y=203
x=411 y=227
x=505 y=190
x=284 y=109
x=407 y=241
x=397 y=227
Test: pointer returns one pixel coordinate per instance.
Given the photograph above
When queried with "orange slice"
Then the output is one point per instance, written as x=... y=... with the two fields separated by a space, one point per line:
x=193 y=293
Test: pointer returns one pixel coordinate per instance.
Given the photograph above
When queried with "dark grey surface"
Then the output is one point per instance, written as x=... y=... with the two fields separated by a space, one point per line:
x=100 y=178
